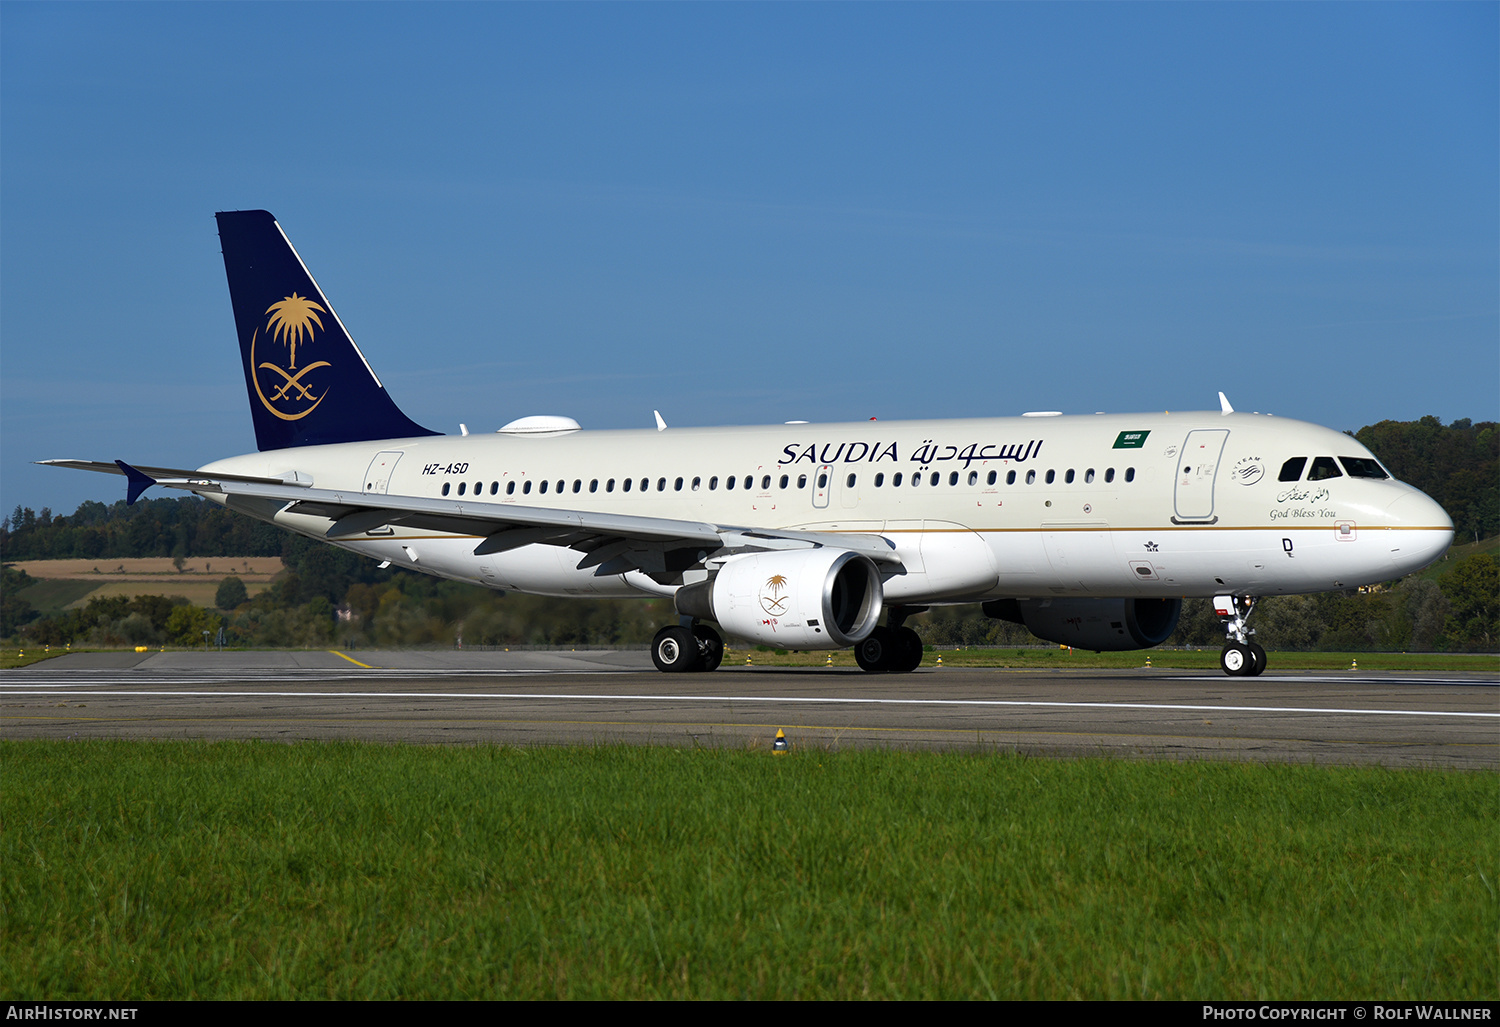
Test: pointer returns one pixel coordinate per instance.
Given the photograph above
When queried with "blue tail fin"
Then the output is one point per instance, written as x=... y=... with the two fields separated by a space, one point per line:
x=309 y=384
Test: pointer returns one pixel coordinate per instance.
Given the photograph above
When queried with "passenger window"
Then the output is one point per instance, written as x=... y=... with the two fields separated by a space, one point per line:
x=1109 y=475
x=561 y=485
x=577 y=485
x=784 y=480
x=990 y=480
x=461 y=487
x=479 y=488
x=953 y=478
x=526 y=489
x=542 y=490
x=822 y=481
x=1010 y=477
x=594 y=485
x=896 y=481
x=445 y=488
x=1362 y=467
x=713 y=483
x=609 y=486
x=849 y=483
x=494 y=488
x=1031 y=477
x=661 y=484
x=510 y=488
x=936 y=477
x=728 y=483
x=1130 y=474
x=625 y=485
x=1324 y=468
x=1068 y=478
x=765 y=482
x=879 y=480
x=802 y=481
x=1051 y=476
x=1088 y=476
x=697 y=484
x=677 y=485
x=1292 y=469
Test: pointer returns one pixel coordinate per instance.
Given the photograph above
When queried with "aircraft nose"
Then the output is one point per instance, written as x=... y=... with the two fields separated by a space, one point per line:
x=1423 y=531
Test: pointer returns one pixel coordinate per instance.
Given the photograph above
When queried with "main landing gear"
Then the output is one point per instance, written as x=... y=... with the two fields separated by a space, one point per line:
x=891 y=647
x=684 y=647
x=1241 y=657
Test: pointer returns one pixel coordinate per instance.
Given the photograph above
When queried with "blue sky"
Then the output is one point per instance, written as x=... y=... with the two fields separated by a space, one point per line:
x=749 y=213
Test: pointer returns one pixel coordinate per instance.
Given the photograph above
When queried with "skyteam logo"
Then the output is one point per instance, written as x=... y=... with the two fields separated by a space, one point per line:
x=289 y=392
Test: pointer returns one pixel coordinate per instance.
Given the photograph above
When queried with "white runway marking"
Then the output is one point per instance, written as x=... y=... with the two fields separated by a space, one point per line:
x=771 y=700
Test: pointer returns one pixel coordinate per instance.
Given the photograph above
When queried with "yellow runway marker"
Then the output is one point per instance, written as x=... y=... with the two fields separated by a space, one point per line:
x=351 y=659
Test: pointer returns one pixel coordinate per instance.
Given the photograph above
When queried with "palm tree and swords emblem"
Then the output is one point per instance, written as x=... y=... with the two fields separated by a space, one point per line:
x=772 y=600
x=291 y=324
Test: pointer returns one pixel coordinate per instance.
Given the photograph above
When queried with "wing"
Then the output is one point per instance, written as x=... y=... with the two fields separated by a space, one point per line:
x=613 y=543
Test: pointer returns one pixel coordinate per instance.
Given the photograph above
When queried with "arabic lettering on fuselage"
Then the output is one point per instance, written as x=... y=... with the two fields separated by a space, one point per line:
x=929 y=452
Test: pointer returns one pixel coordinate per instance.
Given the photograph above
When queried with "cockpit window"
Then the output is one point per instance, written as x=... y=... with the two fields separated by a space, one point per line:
x=1323 y=467
x=1362 y=467
x=1292 y=469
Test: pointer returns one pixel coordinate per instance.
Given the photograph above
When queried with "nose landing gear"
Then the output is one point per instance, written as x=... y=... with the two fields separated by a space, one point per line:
x=1241 y=657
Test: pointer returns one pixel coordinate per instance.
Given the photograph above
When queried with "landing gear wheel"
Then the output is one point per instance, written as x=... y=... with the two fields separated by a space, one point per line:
x=876 y=652
x=1237 y=659
x=908 y=651
x=710 y=647
x=1257 y=651
x=675 y=649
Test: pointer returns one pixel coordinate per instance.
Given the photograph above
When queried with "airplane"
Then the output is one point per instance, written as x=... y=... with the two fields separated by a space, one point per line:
x=1088 y=530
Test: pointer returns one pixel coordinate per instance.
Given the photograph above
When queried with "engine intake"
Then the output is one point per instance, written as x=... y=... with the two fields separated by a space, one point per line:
x=803 y=599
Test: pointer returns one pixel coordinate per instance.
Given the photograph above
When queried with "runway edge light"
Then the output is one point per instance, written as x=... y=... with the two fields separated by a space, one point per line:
x=780 y=745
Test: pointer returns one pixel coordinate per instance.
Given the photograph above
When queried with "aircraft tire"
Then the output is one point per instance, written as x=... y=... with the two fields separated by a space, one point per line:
x=710 y=647
x=1259 y=653
x=675 y=650
x=875 y=653
x=1237 y=660
x=908 y=651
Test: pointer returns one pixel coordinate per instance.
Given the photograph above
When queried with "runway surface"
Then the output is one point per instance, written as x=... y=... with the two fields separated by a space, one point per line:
x=544 y=698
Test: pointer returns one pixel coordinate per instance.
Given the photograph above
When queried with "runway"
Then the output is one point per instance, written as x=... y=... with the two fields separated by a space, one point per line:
x=550 y=698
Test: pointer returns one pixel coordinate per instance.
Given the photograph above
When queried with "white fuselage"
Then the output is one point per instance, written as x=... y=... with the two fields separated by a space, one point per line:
x=1150 y=505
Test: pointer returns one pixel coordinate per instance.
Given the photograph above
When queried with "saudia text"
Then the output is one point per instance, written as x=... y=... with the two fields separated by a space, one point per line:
x=929 y=452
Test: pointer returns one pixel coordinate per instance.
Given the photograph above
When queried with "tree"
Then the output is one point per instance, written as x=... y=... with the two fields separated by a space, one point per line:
x=231 y=593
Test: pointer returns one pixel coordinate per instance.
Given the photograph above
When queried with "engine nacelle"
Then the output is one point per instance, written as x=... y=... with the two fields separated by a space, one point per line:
x=1104 y=625
x=797 y=599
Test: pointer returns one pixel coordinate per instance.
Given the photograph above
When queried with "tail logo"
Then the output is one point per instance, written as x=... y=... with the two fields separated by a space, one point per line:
x=286 y=391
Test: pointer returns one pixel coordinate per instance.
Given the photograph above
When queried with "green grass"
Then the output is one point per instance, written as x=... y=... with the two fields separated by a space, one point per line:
x=253 y=870
x=11 y=656
x=53 y=595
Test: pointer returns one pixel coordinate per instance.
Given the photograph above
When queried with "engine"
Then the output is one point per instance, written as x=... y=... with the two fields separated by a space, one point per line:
x=801 y=599
x=1104 y=625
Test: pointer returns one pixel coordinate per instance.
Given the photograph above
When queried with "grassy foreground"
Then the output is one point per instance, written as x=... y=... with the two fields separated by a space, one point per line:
x=253 y=870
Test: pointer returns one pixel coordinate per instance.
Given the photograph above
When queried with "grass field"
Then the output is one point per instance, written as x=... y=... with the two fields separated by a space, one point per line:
x=196 y=870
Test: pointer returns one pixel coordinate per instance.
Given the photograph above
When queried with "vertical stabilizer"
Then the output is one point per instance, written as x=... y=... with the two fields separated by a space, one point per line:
x=309 y=384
